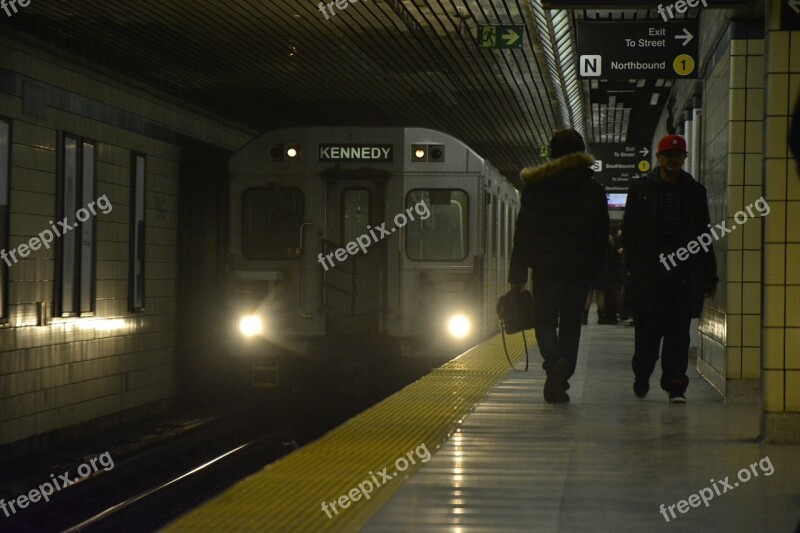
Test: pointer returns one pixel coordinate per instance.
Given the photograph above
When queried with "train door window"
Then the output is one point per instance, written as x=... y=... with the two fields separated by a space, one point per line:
x=137 y=231
x=355 y=214
x=5 y=179
x=271 y=222
x=75 y=247
x=443 y=234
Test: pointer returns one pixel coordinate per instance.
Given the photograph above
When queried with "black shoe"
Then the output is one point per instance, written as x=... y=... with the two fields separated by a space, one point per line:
x=641 y=388
x=677 y=397
x=556 y=383
x=585 y=318
x=556 y=396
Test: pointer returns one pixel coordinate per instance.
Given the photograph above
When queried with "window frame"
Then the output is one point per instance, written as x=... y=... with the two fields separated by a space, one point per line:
x=137 y=285
x=467 y=247
x=242 y=230
x=68 y=248
x=5 y=240
x=342 y=208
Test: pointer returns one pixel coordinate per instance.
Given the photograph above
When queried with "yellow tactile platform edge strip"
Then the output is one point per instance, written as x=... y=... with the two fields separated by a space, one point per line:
x=288 y=495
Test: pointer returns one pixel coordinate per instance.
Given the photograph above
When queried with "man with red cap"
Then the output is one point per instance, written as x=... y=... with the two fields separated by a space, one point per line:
x=665 y=211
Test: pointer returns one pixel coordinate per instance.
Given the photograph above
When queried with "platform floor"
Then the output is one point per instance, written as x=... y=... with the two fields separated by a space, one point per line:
x=604 y=462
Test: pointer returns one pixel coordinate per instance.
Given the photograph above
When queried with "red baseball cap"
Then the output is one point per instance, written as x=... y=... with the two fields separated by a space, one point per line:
x=672 y=142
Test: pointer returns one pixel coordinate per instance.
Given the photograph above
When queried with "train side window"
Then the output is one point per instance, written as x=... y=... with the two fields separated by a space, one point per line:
x=137 y=232
x=271 y=221
x=444 y=235
x=5 y=180
x=355 y=214
x=74 y=288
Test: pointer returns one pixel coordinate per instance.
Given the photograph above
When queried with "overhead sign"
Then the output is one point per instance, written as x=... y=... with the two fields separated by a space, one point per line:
x=617 y=164
x=498 y=36
x=637 y=50
x=381 y=153
x=790 y=15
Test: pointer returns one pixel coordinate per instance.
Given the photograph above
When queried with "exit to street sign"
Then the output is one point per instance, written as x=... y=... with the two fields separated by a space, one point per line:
x=499 y=36
x=637 y=50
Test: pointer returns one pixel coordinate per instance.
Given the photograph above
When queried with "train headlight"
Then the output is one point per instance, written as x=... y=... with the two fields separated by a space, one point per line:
x=251 y=325
x=459 y=326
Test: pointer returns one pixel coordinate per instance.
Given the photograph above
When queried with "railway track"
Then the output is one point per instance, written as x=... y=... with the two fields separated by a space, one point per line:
x=146 y=490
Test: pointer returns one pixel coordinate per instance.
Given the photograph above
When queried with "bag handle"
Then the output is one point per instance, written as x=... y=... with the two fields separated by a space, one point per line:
x=505 y=348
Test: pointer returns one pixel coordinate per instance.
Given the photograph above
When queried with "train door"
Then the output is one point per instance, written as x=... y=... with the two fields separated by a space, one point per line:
x=355 y=286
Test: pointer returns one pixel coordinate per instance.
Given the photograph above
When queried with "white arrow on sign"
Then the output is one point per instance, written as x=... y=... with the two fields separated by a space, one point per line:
x=510 y=37
x=687 y=36
x=794 y=4
x=645 y=151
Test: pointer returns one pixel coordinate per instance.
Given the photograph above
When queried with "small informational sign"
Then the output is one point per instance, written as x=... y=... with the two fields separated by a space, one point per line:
x=617 y=164
x=500 y=36
x=638 y=50
x=375 y=153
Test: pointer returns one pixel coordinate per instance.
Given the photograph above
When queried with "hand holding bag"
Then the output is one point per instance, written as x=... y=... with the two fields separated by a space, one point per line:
x=515 y=311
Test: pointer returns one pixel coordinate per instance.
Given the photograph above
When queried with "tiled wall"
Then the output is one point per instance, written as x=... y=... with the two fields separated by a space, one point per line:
x=732 y=163
x=79 y=369
x=780 y=358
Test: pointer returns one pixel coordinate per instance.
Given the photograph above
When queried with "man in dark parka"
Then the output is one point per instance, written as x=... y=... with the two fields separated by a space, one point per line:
x=561 y=234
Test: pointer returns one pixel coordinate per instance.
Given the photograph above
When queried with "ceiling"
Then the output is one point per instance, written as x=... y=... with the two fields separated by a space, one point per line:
x=275 y=63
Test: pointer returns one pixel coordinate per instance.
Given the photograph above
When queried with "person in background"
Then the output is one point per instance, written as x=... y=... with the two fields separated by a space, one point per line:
x=602 y=288
x=665 y=211
x=561 y=234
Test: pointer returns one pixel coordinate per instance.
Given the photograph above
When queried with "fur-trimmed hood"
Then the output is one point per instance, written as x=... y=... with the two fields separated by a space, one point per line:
x=556 y=166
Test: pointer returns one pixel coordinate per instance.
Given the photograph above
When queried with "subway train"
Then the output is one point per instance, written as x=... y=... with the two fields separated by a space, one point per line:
x=364 y=240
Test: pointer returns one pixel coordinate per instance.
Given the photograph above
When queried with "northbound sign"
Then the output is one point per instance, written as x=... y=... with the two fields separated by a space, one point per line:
x=637 y=50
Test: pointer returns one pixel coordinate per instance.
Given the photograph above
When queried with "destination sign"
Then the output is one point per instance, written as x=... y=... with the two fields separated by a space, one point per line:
x=617 y=164
x=637 y=50
x=381 y=153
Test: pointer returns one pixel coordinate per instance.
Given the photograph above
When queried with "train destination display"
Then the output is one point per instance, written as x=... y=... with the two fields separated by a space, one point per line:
x=637 y=50
x=381 y=153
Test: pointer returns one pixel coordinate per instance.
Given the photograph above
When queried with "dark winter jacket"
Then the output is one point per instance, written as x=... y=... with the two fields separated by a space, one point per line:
x=640 y=240
x=562 y=227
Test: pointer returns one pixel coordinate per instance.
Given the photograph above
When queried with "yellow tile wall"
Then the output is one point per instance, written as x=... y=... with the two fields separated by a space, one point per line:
x=781 y=327
x=732 y=170
x=78 y=369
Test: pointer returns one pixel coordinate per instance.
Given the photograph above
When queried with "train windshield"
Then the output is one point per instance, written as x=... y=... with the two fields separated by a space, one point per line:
x=443 y=236
x=271 y=220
